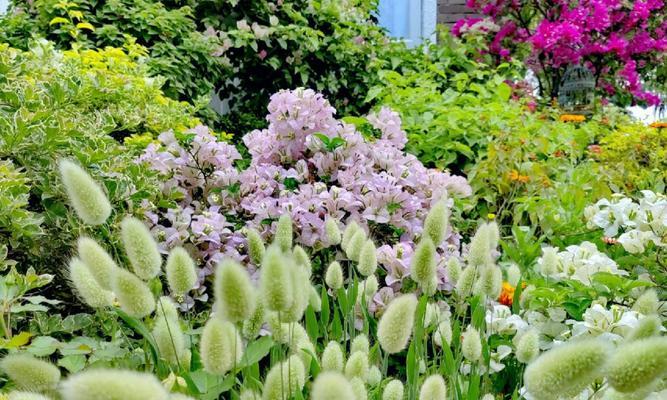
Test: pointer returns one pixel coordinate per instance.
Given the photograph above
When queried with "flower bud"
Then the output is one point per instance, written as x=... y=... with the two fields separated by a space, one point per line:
x=433 y=388
x=234 y=293
x=133 y=294
x=453 y=267
x=647 y=303
x=98 y=261
x=101 y=383
x=424 y=265
x=85 y=195
x=443 y=334
x=360 y=343
x=565 y=370
x=276 y=280
x=393 y=391
x=331 y=385
x=218 y=342
x=471 y=344
x=284 y=379
x=435 y=224
x=647 y=327
x=395 y=326
x=357 y=366
x=637 y=364
x=528 y=346
x=181 y=272
x=334 y=276
x=87 y=287
x=367 y=259
x=351 y=230
x=332 y=357
x=332 y=232
x=283 y=235
x=140 y=247
x=30 y=373
x=255 y=246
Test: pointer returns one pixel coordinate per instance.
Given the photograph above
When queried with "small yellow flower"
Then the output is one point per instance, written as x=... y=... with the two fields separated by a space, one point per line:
x=572 y=118
x=658 y=125
x=491 y=216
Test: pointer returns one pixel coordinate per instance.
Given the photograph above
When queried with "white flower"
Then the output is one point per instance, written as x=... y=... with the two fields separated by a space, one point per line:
x=611 y=324
x=634 y=241
x=500 y=320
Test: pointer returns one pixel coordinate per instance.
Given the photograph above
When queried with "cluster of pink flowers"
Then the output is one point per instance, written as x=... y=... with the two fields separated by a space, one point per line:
x=614 y=38
x=306 y=163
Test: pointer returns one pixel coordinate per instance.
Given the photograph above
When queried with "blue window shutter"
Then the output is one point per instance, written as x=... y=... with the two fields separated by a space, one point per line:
x=411 y=20
x=3 y=6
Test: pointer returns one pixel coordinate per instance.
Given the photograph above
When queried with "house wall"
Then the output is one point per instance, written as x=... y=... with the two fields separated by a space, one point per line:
x=450 y=11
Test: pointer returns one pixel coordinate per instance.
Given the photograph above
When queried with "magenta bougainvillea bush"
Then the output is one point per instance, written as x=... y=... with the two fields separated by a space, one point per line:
x=622 y=42
x=306 y=163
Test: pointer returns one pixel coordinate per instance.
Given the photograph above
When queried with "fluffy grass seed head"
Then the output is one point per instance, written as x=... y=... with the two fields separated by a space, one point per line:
x=170 y=340
x=360 y=343
x=471 y=344
x=565 y=370
x=85 y=195
x=443 y=334
x=331 y=385
x=333 y=358
x=218 y=341
x=87 y=287
x=133 y=294
x=367 y=259
x=395 y=326
x=647 y=327
x=30 y=373
x=367 y=289
x=549 y=261
x=435 y=224
x=490 y=281
x=234 y=293
x=356 y=245
x=301 y=293
x=453 y=268
x=112 y=384
x=283 y=235
x=433 y=388
x=467 y=281
x=357 y=366
x=513 y=274
x=359 y=389
x=249 y=394
x=493 y=231
x=301 y=257
x=276 y=280
x=393 y=391
x=648 y=303
x=181 y=271
x=255 y=246
x=26 y=396
x=424 y=265
x=374 y=376
x=528 y=346
x=637 y=364
x=141 y=248
x=253 y=325
x=99 y=262
x=314 y=299
x=350 y=230
x=334 y=276
x=166 y=309
x=284 y=379
x=479 y=251
x=332 y=232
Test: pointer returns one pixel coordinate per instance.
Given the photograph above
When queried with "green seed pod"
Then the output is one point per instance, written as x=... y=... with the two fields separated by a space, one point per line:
x=334 y=276
x=332 y=357
x=85 y=195
x=393 y=391
x=133 y=294
x=395 y=326
x=234 y=293
x=301 y=258
x=170 y=340
x=367 y=259
x=140 y=247
x=637 y=364
x=99 y=262
x=255 y=246
x=466 y=282
x=331 y=385
x=166 y=309
x=359 y=389
x=332 y=232
x=471 y=344
x=218 y=341
x=453 y=267
x=249 y=394
x=479 y=252
x=424 y=266
x=443 y=334
x=112 y=384
x=283 y=235
x=647 y=303
x=30 y=373
x=87 y=287
x=565 y=370
x=528 y=346
x=513 y=274
x=647 y=327
x=435 y=224
x=374 y=376
x=433 y=388
x=276 y=280
x=284 y=379
x=253 y=325
x=356 y=245
x=357 y=366
x=351 y=230
x=550 y=261
x=360 y=343
x=314 y=299
x=181 y=272
x=26 y=396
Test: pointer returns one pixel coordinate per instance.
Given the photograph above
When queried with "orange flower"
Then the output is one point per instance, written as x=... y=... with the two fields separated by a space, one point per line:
x=658 y=125
x=595 y=148
x=507 y=294
x=572 y=118
x=515 y=176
